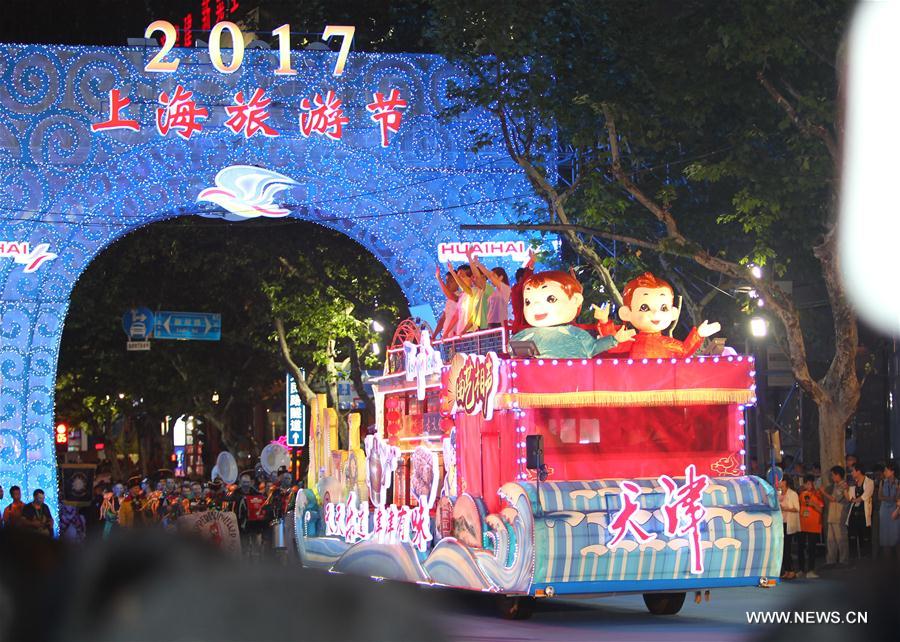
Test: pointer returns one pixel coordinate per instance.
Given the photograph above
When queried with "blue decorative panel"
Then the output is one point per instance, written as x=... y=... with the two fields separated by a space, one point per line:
x=67 y=192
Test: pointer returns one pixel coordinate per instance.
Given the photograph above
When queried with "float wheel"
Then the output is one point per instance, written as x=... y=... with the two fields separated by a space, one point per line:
x=515 y=607
x=664 y=603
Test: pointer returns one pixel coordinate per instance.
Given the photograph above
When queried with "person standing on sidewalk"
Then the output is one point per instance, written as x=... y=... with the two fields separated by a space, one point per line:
x=859 y=521
x=790 y=512
x=836 y=518
x=36 y=516
x=889 y=494
x=811 y=505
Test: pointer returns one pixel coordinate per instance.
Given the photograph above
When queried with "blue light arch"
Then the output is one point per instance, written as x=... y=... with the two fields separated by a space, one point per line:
x=79 y=191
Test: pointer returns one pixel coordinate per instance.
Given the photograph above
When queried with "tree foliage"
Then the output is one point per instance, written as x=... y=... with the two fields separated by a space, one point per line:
x=324 y=287
x=701 y=135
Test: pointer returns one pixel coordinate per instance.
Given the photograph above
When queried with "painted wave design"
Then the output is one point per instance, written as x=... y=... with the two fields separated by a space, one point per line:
x=740 y=534
x=390 y=561
x=452 y=564
x=517 y=574
x=741 y=538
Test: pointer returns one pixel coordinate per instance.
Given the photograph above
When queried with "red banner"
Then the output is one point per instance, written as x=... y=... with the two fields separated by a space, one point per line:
x=573 y=383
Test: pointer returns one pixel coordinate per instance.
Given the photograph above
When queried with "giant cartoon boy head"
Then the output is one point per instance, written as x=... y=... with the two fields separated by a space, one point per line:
x=552 y=298
x=648 y=304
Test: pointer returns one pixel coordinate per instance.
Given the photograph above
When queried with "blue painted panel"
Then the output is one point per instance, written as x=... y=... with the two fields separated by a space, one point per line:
x=647 y=586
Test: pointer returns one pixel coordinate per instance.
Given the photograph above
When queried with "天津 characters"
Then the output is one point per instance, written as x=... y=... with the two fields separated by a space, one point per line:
x=552 y=301
x=648 y=305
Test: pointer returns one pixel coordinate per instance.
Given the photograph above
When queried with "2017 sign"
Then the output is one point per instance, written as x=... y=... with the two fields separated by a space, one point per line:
x=158 y=64
x=180 y=114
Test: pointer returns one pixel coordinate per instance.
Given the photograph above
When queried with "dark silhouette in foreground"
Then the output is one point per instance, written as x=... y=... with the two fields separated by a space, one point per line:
x=150 y=586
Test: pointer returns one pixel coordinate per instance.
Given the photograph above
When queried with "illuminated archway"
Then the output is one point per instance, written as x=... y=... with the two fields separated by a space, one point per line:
x=66 y=191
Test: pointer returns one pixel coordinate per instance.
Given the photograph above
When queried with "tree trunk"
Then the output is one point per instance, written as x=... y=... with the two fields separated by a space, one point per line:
x=231 y=444
x=306 y=393
x=368 y=415
x=112 y=451
x=833 y=421
x=145 y=448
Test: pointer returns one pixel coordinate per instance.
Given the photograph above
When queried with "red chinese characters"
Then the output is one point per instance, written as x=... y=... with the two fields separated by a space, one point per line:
x=188 y=30
x=385 y=112
x=205 y=16
x=321 y=115
x=180 y=113
x=117 y=103
x=249 y=117
x=684 y=511
x=624 y=521
x=326 y=118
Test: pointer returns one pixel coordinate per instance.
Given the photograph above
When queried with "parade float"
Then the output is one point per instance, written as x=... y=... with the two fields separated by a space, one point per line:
x=531 y=477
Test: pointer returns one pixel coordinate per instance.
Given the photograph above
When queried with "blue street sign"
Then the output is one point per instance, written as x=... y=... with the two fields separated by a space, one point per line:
x=197 y=326
x=138 y=324
x=295 y=417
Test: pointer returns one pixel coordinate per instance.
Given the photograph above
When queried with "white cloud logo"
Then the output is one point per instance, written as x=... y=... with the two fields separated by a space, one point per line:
x=246 y=192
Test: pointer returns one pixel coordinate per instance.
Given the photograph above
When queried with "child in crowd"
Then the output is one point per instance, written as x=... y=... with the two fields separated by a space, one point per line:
x=811 y=505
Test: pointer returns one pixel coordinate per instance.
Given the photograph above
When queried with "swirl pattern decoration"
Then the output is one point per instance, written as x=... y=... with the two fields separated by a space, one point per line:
x=78 y=190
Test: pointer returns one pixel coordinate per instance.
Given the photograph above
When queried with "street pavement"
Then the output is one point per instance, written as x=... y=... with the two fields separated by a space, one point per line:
x=625 y=618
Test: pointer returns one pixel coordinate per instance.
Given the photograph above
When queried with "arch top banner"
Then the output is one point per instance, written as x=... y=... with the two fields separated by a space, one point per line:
x=96 y=146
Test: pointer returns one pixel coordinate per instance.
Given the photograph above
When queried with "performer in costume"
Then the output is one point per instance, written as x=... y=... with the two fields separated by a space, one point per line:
x=153 y=509
x=109 y=513
x=130 y=510
x=198 y=499
x=648 y=305
x=170 y=498
x=216 y=495
x=552 y=302
x=247 y=502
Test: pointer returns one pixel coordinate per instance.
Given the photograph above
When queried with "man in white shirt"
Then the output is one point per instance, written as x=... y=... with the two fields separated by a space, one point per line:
x=859 y=520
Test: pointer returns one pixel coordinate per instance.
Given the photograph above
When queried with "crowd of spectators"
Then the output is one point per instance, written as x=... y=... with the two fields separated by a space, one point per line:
x=854 y=514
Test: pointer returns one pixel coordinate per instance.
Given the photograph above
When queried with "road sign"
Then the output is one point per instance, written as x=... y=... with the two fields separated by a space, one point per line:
x=132 y=346
x=196 y=326
x=138 y=324
x=295 y=417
